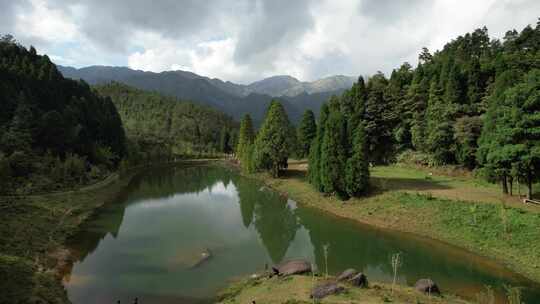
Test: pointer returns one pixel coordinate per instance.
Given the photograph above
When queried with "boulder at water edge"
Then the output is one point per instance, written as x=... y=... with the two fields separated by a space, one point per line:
x=326 y=289
x=292 y=267
x=347 y=274
x=427 y=286
x=359 y=280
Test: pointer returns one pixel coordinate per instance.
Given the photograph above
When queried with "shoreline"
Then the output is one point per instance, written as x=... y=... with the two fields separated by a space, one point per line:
x=342 y=210
x=297 y=289
x=61 y=215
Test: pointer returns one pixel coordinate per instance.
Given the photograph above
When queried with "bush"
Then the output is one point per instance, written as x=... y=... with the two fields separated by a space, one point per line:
x=487 y=174
x=105 y=156
x=95 y=172
x=20 y=163
x=57 y=170
x=410 y=157
x=74 y=167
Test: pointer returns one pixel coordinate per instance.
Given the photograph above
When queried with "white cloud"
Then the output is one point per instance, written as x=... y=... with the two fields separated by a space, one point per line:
x=45 y=24
x=251 y=40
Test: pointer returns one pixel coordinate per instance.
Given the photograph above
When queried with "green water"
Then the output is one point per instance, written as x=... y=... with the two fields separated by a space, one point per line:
x=146 y=244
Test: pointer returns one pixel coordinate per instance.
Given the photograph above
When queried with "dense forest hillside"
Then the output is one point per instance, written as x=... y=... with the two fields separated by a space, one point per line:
x=158 y=121
x=233 y=99
x=54 y=132
x=475 y=103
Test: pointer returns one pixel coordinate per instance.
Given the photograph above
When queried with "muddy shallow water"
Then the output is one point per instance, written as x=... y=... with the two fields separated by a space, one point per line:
x=178 y=235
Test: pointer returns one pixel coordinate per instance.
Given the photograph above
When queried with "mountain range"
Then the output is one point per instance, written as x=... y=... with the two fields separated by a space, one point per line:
x=231 y=98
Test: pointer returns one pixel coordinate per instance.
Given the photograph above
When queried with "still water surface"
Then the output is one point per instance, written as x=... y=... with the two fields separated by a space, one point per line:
x=149 y=243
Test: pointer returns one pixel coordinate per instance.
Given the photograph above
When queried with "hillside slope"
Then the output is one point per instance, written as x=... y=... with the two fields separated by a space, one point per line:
x=153 y=118
x=233 y=99
x=45 y=120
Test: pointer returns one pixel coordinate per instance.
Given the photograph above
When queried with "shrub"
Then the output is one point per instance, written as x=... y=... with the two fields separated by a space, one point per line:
x=95 y=172
x=105 y=156
x=74 y=167
x=20 y=163
x=411 y=157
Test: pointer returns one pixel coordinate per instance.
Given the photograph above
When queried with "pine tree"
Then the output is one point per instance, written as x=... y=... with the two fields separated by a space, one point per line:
x=357 y=170
x=467 y=131
x=314 y=169
x=359 y=96
x=271 y=145
x=526 y=97
x=18 y=137
x=245 y=138
x=494 y=160
x=379 y=120
x=334 y=155
x=224 y=141
x=515 y=139
x=307 y=131
x=416 y=101
x=440 y=137
x=401 y=115
x=453 y=93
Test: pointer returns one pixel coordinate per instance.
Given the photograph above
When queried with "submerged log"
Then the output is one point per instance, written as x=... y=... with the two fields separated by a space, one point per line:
x=292 y=267
x=427 y=286
x=205 y=256
x=326 y=289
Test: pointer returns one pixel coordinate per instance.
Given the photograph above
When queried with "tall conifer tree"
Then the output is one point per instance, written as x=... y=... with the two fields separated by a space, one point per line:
x=357 y=170
x=271 y=145
x=334 y=155
x=307 y=131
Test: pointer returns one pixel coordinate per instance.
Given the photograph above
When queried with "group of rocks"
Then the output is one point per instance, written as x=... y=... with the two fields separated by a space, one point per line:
x=350 y=276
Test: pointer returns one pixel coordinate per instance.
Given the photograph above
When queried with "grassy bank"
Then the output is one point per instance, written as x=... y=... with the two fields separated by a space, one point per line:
x=438 y=207
x=34 y=229
x=33 y=233
x=296 y=290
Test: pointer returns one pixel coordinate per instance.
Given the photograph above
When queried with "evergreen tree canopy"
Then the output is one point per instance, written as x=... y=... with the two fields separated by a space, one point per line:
x=314 y=173
x=46 y=119
x=357 y=170
x=271 y=145
x=244 y=147
x=158 y=120
x=307 y=131
x=334 y=155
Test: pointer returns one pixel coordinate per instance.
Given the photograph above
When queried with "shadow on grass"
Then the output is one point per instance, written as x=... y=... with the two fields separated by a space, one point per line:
x=406 y=184
x=294 y=173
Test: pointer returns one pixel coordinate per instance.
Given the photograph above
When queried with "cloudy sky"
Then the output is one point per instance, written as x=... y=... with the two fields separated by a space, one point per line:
x=246 y=40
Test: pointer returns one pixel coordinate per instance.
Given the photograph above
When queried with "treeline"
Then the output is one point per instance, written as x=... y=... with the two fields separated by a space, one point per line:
x=475 y=104
x=54 y=132
x=161 y=127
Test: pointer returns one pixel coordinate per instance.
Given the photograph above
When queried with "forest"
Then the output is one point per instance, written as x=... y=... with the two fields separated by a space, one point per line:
x=54 y=132
x=160 y=126
x=473 y=104
x=57 y=133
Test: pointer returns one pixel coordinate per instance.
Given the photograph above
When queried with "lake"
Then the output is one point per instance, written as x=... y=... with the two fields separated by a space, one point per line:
x=180 y=234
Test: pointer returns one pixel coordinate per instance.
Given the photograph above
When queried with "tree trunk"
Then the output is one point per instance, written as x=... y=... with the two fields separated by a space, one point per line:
x=504 y=184
x=511 y=183
x=529 y=184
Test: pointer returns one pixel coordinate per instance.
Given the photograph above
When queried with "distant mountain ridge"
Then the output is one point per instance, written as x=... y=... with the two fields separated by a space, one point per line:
x=231 y=98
